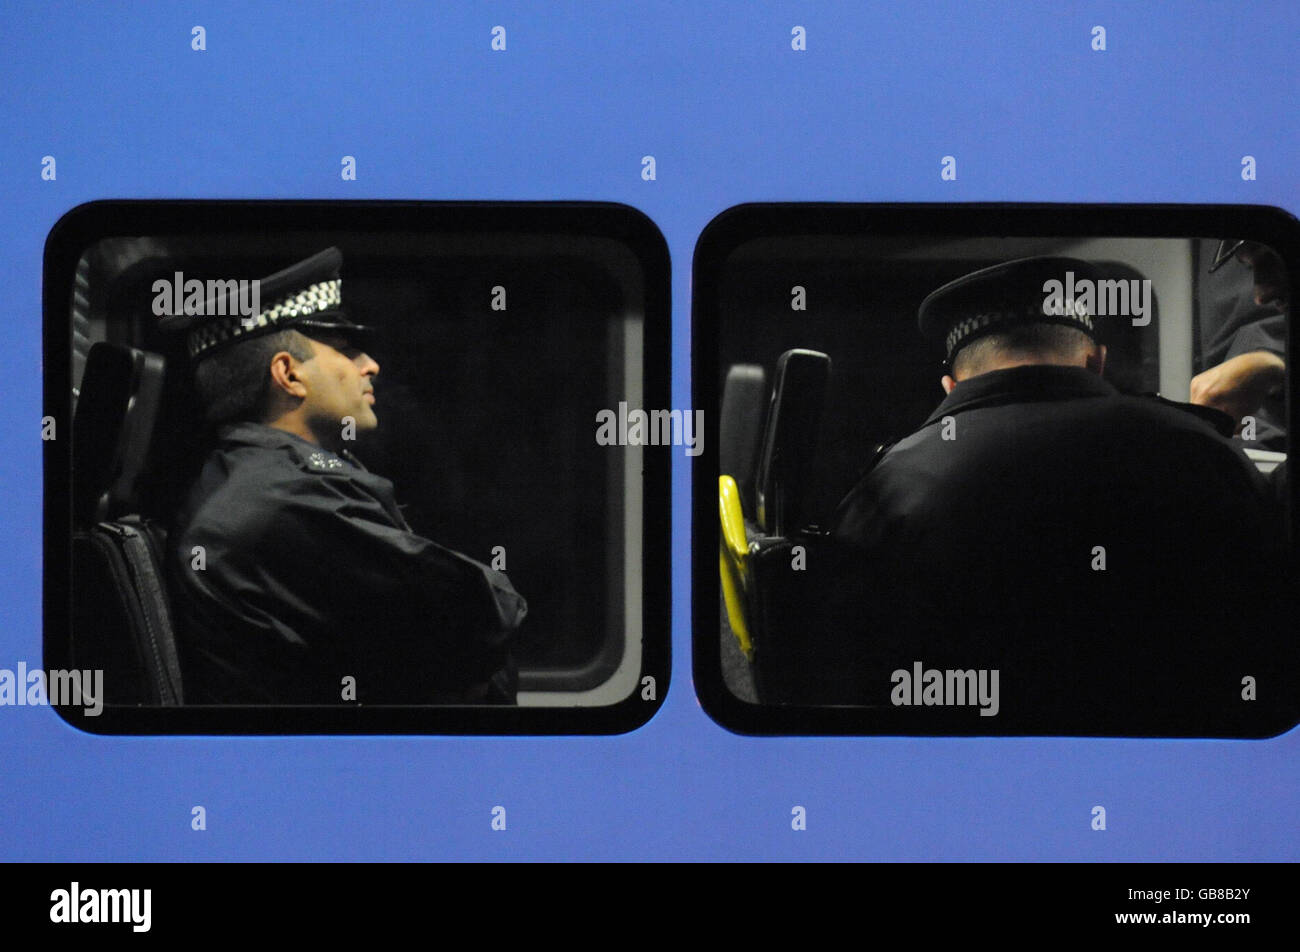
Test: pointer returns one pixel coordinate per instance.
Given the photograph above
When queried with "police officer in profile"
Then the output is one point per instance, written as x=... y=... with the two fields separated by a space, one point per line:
x=293 y=568
x=1111 y=555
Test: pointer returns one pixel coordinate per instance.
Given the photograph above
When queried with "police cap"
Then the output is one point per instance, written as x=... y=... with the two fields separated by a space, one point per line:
x=307 y=297
x=1012 y=293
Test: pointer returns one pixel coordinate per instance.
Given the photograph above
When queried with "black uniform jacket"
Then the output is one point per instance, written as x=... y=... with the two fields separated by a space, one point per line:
x=293 y=569
x=1102 y=550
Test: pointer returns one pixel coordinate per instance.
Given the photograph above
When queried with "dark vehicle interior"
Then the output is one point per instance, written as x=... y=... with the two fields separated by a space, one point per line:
x=811 y=393
x=485 y=431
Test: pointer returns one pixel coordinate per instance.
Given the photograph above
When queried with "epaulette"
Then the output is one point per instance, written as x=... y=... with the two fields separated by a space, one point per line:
x=321 y=461
x=1221 y=422
x=876 y=456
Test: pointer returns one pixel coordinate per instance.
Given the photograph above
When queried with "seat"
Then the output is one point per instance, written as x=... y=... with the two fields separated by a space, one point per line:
x=121 y=616
x=782 y=578
x=743 y=397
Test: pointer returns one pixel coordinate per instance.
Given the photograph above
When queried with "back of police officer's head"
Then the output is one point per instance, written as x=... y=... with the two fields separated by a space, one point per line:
x=1030 y=311
x=1025 y=345
x=234 y=383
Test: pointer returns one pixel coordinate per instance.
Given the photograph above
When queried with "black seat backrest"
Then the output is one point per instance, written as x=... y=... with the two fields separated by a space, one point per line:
x=112 y=430
x=790 y=440
x=744 y=399
x=807 y=648
x=121 y=613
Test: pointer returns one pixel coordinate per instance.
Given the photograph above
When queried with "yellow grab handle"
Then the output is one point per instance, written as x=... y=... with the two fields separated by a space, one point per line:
x=732 y=556
x=735 y=601
x=733 y=520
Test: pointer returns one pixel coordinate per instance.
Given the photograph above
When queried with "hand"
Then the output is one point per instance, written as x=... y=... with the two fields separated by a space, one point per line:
x=1238 y=386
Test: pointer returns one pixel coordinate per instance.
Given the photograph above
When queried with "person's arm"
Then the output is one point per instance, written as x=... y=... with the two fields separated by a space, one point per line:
x=1240 y=384
x=1253 y=366
x=417 y=619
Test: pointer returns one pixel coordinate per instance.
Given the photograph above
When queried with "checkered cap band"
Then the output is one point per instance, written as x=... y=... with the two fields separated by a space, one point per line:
x=978 y=322
x=325 y=296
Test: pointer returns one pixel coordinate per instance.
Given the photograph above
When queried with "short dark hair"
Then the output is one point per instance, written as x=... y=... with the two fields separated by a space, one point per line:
x=232 y=383
x=1042 y=341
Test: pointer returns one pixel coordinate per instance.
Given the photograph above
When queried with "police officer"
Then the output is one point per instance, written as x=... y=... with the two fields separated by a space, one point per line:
x=1111 y=555
x=293 y=567
x=1241 y=358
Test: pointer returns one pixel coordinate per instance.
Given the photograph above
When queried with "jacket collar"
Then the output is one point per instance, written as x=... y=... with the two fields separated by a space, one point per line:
x=1020 y=385
x=259 y=434
x=269 y=437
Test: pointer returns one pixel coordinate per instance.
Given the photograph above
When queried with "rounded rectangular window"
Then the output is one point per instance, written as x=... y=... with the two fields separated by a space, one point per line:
x=996 y=470
x=336 y=467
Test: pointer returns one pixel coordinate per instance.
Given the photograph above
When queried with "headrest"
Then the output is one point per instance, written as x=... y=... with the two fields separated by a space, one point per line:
x=121 y=391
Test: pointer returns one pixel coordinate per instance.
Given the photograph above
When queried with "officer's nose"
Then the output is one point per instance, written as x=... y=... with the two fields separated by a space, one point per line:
x=369 y=366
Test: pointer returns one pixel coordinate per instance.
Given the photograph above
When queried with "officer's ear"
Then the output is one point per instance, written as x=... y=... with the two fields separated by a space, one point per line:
x=1096 y=360
x=286 y=376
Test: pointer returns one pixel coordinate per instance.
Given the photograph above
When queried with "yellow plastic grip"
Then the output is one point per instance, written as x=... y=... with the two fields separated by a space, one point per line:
x=733 y=520
x=733 y=552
